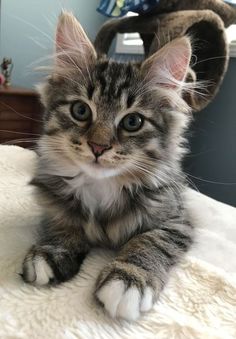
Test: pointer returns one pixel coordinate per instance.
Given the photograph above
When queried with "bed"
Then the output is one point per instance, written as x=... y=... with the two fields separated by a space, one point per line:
x=199 y=300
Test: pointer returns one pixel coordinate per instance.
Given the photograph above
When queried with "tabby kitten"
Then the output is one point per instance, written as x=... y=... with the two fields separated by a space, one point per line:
x=109 y=171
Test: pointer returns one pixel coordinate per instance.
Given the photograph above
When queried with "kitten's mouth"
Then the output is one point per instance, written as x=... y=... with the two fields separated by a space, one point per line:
x=99 y=169
x=98 y=164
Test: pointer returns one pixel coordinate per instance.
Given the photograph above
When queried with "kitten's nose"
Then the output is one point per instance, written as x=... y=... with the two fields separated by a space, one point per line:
x=98 y=149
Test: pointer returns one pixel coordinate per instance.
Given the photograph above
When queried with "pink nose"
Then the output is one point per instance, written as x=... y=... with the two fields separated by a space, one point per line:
x=98 y=149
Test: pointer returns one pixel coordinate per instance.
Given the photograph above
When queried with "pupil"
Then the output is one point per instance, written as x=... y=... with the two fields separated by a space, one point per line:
x=132 y=121
x=82 y=110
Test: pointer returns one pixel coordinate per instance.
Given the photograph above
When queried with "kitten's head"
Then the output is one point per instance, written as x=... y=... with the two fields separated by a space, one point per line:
x=106 y=118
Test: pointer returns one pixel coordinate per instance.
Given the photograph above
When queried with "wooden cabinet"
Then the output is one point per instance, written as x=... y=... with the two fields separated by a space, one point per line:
x=20 y=116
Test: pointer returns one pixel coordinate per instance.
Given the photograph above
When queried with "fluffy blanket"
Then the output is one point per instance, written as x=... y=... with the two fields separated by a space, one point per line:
x=198 y=302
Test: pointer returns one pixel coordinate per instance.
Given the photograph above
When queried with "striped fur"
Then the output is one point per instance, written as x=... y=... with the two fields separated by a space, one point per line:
x=128 y=199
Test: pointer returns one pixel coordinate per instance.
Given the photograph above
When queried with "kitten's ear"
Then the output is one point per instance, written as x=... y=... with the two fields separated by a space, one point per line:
x=73 y=47
x=168 y=67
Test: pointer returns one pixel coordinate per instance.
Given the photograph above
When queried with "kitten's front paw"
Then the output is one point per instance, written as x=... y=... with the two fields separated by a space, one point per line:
x=36 y=270
x=44 y=265
x=125 y=291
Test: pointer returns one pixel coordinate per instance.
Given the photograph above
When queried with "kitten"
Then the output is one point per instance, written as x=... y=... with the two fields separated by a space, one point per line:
x=109 y=170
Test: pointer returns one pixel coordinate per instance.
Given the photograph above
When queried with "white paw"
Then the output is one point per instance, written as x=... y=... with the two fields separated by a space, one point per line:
x=37 y=271
x=121 y=302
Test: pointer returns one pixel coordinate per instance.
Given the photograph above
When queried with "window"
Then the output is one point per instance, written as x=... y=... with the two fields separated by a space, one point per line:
x=231 y=35
x=129 y=43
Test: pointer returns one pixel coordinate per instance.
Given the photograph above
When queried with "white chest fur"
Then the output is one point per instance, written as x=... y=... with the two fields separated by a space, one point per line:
x=95 y=193
x=103 y=194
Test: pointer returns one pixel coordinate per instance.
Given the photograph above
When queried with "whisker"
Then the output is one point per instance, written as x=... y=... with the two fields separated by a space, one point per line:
x=211 y=181
x=209 y=59
x=149 y=166
x=13 y=141
x=37 y=43
x=15 y=132
x=34 y=27
x=18 y=113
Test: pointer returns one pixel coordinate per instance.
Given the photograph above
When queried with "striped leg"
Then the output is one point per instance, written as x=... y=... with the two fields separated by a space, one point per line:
x=132 y=282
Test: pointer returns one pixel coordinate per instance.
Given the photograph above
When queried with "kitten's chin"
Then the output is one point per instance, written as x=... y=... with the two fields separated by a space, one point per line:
x=98 y=171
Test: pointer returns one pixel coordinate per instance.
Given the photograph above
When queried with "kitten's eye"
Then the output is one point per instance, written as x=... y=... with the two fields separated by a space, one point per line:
x=132 y=122
x=80 y=111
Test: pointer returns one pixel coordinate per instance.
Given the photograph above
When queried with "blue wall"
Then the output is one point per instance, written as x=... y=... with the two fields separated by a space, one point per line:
x=27 y=30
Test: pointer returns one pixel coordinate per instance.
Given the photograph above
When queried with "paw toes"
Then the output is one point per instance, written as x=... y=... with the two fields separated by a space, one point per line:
x=29 y=274
x=37 y=271
x=122 y=302
x=128 y=307
x=147 y=300
x=110 y=296
x=43 y=271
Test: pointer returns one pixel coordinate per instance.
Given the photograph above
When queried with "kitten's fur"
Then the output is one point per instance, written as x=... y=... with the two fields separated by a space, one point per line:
x=131 y=199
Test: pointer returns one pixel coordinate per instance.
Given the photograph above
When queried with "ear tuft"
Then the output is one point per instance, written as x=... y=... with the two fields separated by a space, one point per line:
x=73 y=47
x=168 y=66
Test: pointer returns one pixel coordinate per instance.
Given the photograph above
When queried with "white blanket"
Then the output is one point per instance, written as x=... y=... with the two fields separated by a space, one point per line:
x=198 y=302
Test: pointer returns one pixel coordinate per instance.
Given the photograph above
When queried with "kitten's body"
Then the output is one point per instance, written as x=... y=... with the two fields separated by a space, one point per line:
x=128 y=196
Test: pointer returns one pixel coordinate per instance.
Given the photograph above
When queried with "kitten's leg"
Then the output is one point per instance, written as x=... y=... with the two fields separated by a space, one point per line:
x=132 y=282
x=57 y=256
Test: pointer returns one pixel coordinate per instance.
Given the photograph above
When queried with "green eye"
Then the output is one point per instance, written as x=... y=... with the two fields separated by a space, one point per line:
x=80 y=111
x=132 y=122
